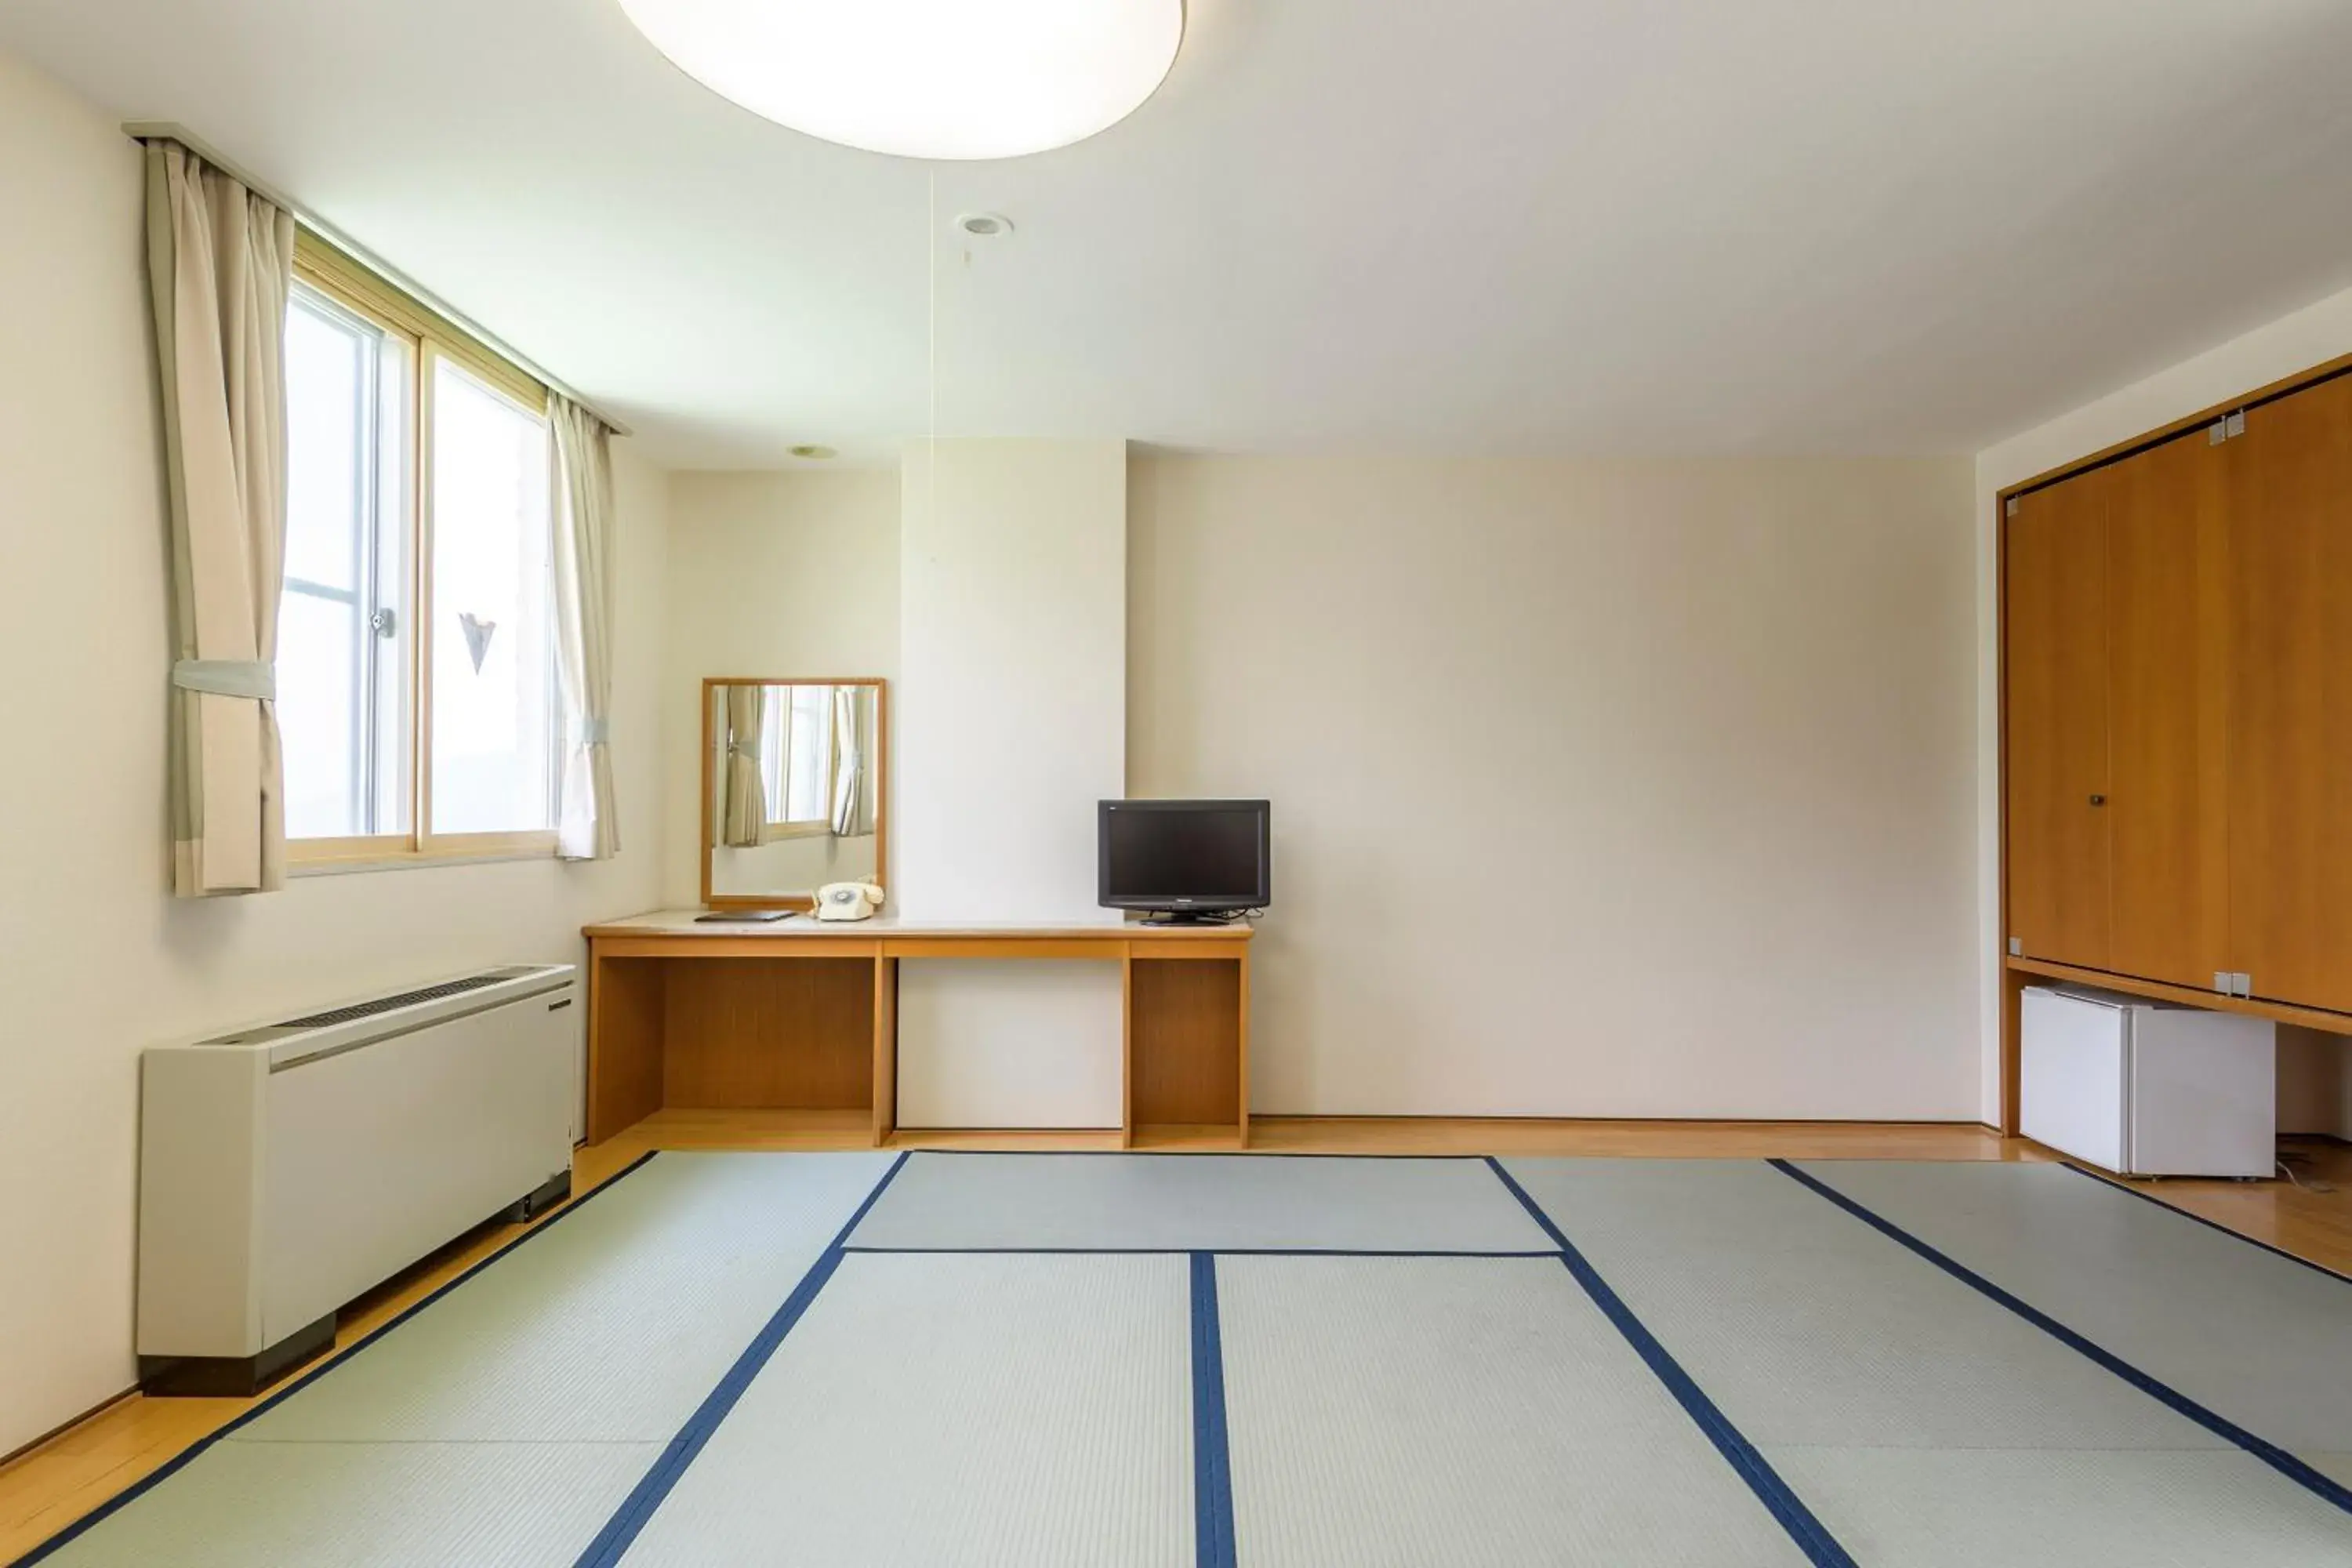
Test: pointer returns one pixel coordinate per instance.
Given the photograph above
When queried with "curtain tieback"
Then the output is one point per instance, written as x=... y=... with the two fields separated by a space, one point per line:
x=227 y=678
x=595 y=731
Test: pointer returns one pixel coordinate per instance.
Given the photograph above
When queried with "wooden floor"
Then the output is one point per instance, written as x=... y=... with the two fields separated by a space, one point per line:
x=50 y=1486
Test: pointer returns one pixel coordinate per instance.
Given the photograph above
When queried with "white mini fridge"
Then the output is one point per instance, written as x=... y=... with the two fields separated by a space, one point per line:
x=2148 y=1089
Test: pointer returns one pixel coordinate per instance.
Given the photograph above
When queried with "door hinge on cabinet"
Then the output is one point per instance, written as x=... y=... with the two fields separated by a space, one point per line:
x=2222 y=429
x=2234 y=983
x=2011 y=508
x=2017 y=947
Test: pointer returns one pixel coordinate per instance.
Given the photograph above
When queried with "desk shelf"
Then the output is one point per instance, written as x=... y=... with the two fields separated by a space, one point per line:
x=1175 y=1137
x=1188 y=1044
x=812 y=1129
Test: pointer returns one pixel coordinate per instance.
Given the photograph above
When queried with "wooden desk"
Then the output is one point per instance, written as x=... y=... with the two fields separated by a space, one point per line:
x=802 y=1016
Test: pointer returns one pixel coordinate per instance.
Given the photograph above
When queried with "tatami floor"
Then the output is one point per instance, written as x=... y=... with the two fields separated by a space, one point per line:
x=48 y=1487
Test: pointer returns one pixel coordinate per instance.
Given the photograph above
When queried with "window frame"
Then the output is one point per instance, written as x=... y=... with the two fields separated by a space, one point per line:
x=429 y=338
x=778 y=828
x=378 y=578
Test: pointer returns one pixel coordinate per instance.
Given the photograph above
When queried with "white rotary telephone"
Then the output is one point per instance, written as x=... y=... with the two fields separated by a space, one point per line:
x=847 y=901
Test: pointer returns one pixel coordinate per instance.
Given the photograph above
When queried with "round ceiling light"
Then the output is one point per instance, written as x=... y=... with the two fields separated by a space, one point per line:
x=925 y=78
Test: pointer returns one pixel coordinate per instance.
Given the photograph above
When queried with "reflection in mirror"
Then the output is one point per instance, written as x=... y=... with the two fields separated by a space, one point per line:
x=794 y=788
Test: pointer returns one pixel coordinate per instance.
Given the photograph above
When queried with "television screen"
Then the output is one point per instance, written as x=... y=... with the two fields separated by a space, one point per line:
x=1178 y=854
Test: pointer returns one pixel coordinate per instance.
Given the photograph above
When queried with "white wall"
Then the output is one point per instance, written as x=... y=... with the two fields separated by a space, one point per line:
x=2282 y=348
x=790 y=574
x=1012 y=715
x=1012 y=724
x=1600 y=789
x=100 y=961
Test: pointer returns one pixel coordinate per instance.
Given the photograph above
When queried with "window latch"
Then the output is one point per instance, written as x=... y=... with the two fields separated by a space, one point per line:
x=383 y=623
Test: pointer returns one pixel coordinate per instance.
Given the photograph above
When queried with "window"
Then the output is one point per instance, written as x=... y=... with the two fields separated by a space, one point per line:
x=343 y=668
x=494 y=700
x=797 y=764
x=418 y=706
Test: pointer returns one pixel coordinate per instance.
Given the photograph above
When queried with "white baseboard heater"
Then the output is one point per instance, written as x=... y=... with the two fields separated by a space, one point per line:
x=286 y=1169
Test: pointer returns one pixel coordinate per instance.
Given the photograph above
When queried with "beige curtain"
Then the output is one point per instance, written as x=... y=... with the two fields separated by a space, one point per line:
x=743 y=800
x=853 y=772
x=220 y=262
x=587 y=825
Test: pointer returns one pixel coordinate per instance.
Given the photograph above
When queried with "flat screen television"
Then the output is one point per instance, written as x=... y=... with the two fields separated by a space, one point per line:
x=1185 y=859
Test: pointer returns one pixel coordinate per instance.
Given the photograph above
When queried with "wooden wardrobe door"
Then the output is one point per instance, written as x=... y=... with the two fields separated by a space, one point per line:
x=2291 y=699
x=2055 y=665
x=2167 y=709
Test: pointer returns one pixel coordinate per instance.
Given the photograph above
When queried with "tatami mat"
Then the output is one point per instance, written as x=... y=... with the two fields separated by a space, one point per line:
x=1922 y=1420
x=1211 y=1201
x=613 y=1326
x=369 y=1505
x=1464 y=1411
x=505 y=1421
x=2261 y=1339
x=1809 y=1328
x=1012 y=1366
x=1975 y=1507
x=955 y=1411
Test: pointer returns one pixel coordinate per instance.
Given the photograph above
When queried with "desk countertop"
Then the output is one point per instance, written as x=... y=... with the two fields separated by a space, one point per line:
x=890 y=923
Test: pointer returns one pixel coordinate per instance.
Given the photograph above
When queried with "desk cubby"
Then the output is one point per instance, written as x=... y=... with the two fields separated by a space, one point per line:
x=1187 y=1041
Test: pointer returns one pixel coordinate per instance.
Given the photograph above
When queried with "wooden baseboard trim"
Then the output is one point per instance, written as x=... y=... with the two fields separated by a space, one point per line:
x=1322 y=1119
x=27 y=1450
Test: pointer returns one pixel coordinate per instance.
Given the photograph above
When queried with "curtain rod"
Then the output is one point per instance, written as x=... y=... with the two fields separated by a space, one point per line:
x=162 y=131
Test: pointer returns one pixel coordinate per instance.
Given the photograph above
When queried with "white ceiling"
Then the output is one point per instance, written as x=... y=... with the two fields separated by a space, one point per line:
x=1794 y=226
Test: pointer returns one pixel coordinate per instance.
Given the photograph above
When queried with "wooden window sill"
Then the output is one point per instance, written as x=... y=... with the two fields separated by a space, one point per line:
x=492 y=850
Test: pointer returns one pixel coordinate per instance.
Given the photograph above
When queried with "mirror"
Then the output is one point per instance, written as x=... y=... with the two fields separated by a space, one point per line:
x=794 y=786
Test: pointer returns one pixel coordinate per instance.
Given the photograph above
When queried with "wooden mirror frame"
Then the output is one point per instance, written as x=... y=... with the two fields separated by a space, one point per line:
x=703 y=846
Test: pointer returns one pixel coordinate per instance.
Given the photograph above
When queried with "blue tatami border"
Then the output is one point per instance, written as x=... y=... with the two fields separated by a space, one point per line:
x=1212 y=1464
x=1811 y=1535
x=620 y=1532
x=2221 y=1426
x=2129 y=1191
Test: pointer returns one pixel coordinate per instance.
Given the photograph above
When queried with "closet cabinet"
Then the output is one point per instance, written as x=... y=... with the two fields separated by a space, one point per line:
x=2177 y=648
x=2060 y=850
x=2168 y=533
x=2290 y=743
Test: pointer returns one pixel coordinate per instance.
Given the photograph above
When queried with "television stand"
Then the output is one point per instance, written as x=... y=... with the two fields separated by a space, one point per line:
x=1191 y=918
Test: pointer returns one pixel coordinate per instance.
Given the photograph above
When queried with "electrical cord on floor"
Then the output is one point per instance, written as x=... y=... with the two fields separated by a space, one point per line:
x=2287 y=1170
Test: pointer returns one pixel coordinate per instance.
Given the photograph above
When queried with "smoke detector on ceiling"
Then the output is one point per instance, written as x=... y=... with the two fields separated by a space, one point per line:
x=985 y=225
x=813 y=452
